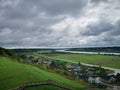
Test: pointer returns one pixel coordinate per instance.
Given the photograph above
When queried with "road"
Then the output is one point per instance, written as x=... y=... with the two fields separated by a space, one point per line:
x=109 y=68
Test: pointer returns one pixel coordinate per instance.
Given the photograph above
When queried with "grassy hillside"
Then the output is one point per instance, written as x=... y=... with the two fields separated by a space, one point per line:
x=104 y=60
x=13 y=74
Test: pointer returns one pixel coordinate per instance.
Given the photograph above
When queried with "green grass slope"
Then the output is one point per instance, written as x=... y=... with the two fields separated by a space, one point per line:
x=46 y=87
x=104 y=60
x=13 y=74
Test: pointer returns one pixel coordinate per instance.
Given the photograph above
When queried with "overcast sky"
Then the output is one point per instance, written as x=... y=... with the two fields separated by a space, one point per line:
x=59 y=23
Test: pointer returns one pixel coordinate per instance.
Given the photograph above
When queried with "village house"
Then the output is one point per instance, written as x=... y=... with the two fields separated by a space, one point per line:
x=49 y=62
x=39 y=62
x=90 y=73
x=73 y=73
x=108 y=78
x=45 y=61
x=77 y=68
x=94 y=80
x=69 y=66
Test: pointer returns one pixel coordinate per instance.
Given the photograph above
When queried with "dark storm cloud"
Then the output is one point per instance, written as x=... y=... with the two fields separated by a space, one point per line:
x=116 y=29
x=98 y=28
x=109 y=35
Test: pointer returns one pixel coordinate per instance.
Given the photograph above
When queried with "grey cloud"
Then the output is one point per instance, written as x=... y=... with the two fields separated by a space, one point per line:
x=27 y=23
x=103 y=40
x=98 y=1
x=116 y=29
x=98 y=28
x=30 y=8
x=61 y=7
x=104 y=32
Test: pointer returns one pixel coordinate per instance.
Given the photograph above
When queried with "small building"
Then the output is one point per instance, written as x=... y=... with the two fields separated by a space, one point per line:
x=69 y=66
x=39 y=62
x=94 y=80
x=77 y=68
x=90 y=73
x=45 y=61
x=49 y=62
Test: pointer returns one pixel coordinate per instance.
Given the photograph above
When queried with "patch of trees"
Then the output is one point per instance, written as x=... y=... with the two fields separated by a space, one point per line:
x=97 y=49
x=8 y=53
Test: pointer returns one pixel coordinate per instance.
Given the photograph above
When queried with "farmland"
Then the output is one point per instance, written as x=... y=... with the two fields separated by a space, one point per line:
x=103 y=60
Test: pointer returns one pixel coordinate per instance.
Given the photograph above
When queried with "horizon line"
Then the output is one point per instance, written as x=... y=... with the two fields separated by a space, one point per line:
x=57 y=47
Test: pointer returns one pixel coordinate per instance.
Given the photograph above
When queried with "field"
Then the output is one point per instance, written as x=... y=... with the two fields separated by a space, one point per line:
x=103 y=60
x=13 y=74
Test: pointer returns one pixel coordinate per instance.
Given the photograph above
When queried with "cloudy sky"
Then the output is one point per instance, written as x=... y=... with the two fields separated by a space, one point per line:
x=59 y=23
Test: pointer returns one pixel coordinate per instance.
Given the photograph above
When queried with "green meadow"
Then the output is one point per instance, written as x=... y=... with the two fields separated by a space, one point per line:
x=103 y=60
x=13 y=74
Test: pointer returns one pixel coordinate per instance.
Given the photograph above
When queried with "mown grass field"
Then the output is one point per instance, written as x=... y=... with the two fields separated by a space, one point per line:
x=13 y=74
x=104 y=60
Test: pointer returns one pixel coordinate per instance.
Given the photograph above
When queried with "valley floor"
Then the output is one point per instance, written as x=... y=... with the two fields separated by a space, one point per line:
x=103 y=60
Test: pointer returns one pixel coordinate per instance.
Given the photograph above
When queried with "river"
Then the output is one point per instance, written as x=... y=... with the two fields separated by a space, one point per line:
x=83 y=52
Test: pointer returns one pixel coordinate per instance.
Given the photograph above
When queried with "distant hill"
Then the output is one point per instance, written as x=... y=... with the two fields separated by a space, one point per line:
x=29 y=50
x=97 y=49
x=87 y=49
